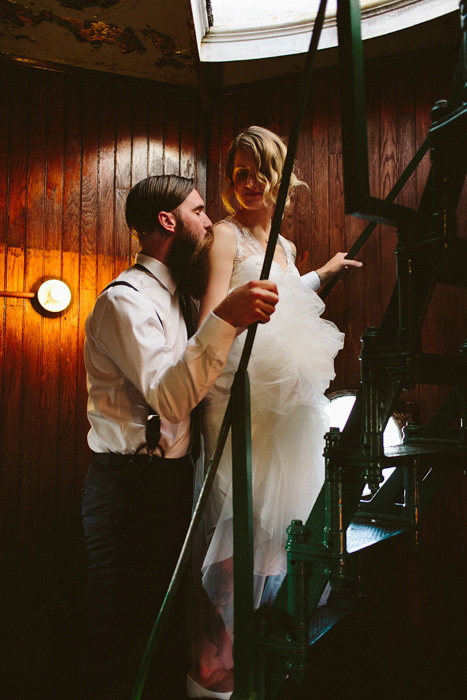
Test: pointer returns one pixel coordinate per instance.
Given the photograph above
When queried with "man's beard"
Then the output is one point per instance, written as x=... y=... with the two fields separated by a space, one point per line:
x=187 y=260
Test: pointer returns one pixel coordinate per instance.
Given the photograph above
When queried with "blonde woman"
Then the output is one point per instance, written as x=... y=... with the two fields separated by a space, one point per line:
x=290 y=368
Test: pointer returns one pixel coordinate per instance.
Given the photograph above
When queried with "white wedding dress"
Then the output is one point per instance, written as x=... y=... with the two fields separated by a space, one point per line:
x=291 y=366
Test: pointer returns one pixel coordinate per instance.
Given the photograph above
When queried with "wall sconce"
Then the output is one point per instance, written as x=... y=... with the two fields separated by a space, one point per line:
x=53 y=295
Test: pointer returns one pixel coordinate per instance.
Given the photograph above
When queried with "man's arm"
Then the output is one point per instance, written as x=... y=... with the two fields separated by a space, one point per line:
x=126 y=330
x=253 y=302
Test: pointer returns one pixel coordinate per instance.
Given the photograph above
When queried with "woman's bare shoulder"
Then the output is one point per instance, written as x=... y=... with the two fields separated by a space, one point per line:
x=224 y=226
x=224 y=235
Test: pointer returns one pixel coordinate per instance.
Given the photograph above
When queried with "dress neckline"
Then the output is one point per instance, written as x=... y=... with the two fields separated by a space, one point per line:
x=280 y=240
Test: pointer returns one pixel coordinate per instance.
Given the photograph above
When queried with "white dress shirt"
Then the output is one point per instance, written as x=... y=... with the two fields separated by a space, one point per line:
x=137 y=356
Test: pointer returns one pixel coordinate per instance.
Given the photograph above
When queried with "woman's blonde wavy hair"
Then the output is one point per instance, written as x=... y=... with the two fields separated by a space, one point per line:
x=269 y=152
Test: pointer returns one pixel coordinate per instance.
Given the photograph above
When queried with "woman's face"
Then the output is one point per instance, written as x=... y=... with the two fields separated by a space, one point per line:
x=248 y=190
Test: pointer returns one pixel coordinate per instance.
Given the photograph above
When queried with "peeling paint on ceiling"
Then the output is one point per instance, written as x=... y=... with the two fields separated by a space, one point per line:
x=141 y=38
x=151 y=39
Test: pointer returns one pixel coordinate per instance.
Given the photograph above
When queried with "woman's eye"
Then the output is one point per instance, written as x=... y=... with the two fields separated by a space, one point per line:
x=240 y=175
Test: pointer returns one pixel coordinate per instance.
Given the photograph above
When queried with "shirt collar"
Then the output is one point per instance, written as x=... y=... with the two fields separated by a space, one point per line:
x=160 y=271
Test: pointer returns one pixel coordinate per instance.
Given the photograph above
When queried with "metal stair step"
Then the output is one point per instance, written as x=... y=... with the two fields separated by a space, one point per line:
x=325 y=617
x=430 y=453
x=426 y=451
x=361 y=535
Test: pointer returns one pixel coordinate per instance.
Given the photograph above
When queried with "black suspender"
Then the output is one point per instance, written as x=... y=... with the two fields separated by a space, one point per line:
x=185 y=306
x=118 y=283
x=153 y=425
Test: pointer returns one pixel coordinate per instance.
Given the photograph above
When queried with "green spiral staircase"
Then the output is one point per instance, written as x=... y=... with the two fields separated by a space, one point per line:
x=342 y=526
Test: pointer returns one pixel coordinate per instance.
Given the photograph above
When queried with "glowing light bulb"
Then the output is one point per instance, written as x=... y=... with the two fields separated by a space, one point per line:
x=58 y=292
x=54 y=295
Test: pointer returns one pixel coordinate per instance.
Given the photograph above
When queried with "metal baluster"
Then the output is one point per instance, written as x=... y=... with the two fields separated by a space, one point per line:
x=242 y=538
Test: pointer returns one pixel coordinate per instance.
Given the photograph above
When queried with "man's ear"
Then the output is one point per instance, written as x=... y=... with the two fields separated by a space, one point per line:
x=168 y=221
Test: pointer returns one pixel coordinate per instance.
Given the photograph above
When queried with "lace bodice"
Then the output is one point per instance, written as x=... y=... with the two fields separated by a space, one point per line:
x=249 y=256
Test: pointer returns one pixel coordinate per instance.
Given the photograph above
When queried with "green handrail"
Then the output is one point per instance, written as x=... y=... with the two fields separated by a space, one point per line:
x=362 y=239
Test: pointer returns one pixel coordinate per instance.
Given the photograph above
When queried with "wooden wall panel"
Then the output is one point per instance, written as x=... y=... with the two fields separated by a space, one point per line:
x=213 y=206
x=70 y=150
x=156 y=135
x=32 y=350
x=106 y=185
x=5 y=478
x=172 y=138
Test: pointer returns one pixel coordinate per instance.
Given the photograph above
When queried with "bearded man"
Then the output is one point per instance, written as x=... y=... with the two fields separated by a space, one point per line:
x=141 y=361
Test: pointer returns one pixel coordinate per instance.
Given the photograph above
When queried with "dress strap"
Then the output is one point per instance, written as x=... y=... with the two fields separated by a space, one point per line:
x=288 y=250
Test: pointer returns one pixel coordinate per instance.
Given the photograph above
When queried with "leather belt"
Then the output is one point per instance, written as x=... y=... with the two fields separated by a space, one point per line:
x=112 y=459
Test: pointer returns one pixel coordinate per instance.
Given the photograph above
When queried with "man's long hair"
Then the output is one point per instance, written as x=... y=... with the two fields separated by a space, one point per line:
x=151 y=196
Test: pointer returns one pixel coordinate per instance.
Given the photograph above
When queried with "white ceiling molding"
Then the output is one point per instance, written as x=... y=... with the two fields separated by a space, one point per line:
x=237 y=43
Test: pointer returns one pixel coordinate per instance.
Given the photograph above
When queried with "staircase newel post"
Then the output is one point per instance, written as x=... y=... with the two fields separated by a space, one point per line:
x=372 y=435
x=261 y=667
x=441 y=223
x=242 y=538
x=335 y=532
x=296 y=569
x=408 y=272
x=412 y=500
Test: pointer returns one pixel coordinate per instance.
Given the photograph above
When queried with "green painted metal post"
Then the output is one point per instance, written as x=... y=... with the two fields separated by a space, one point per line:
x=354 y=133
x=334 y=535
x=463 y=402
x=412 y=500
x=261 y=669
x=358 y=201
x=372 y=435
x=297 y=593
x=243 y=538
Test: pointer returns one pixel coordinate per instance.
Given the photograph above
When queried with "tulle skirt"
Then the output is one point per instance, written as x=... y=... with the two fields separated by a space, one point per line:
x=290 y=368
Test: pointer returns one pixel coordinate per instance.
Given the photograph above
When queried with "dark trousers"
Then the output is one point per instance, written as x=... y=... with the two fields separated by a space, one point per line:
x=135 y=517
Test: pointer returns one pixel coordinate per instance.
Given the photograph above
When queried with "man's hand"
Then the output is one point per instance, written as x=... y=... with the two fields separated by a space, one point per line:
x=335 y=266
x=253 y=301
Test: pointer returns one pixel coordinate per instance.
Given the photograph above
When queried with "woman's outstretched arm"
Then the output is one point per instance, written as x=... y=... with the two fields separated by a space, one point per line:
x=221 y=259
x=337 y=264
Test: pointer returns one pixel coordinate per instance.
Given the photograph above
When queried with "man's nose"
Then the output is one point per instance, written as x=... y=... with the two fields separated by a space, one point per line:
x=207 y=222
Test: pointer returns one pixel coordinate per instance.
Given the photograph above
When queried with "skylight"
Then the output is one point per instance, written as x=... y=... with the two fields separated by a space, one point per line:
x=247 y=30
